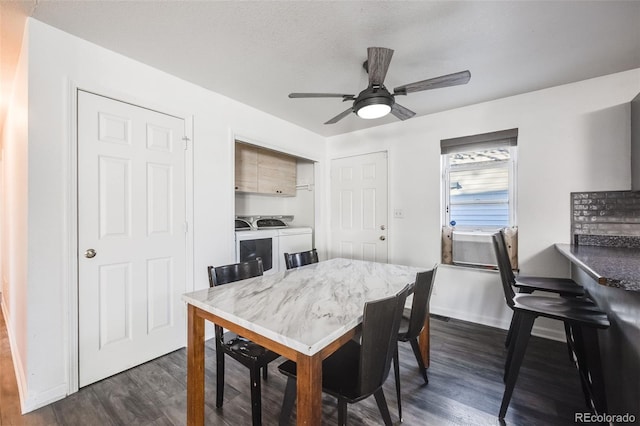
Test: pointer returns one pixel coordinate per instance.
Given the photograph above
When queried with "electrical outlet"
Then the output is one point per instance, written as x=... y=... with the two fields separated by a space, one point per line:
x=398 y=214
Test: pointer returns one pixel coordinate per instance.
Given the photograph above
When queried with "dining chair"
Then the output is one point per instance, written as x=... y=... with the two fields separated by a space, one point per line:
x=295 y=260
x=564 y=287
x=357 y=370
x=582 y=319
x=411 y=326
x=246 y=352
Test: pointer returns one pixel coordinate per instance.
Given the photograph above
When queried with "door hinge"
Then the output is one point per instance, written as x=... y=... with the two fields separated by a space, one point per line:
x=185 y=227
x=185 y=143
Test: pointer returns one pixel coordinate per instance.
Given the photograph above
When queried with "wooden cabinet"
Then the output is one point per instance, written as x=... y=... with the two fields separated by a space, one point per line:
x=263 y=171
x=246 y=168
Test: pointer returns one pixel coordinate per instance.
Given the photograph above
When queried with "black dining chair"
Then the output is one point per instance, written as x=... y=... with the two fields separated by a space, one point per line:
x=583 y=321
x=564 y=287
x=295 y=260
x=357 y=370
x=246 y=352
x=411 y=326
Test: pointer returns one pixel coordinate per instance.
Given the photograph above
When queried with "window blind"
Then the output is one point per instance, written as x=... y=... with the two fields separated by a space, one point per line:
x=503 y=138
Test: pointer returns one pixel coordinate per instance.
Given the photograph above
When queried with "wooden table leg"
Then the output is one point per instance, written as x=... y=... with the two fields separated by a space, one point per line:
x=309 y=382
x=423 y=341
x=195 y=368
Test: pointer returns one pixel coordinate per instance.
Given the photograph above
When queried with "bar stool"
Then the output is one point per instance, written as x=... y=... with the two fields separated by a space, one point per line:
x=564 y=287
x=582 y=320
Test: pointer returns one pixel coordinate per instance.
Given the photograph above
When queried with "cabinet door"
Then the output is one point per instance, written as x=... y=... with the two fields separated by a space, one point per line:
x=246 y=168
x=276 y=173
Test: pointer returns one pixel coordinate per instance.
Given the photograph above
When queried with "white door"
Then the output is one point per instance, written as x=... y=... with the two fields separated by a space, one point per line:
x=131 y=213
x=359 y=207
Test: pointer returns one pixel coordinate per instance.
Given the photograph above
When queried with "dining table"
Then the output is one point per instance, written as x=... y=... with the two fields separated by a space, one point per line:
x=304 y=314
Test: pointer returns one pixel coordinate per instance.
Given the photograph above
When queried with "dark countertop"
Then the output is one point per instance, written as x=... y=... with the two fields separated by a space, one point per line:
x=610 y=266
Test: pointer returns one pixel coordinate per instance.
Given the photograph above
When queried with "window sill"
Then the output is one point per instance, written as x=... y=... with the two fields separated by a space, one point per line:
x=469 y=267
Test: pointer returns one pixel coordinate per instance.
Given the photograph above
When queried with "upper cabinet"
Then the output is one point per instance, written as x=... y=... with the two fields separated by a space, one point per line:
x=263 y=171
x=246 y=168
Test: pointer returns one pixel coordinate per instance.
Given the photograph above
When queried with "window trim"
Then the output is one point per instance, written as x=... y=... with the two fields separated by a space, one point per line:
x=510 y=164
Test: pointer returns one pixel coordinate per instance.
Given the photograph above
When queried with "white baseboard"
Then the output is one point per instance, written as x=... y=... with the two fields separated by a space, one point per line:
x=540 y=331
x=17 y=363
x=28 y=402
x=34 y=402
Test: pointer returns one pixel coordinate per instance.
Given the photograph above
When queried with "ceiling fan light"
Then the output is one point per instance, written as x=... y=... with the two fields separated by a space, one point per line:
x=372 y=111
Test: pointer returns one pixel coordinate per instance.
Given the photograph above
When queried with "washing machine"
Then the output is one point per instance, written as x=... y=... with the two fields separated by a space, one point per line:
x=293 y=240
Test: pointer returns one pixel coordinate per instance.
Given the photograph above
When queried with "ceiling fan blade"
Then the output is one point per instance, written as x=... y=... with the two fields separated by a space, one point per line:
x=340 y=116
x=378 y=60
x=401 y=112
x=323 y=95
x=454 y=79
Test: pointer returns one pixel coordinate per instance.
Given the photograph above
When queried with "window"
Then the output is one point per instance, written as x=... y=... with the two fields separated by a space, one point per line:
x=478 y=178
x=478 y=181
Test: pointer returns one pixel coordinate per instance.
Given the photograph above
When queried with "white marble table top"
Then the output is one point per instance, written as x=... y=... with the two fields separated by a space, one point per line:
x=305 y=308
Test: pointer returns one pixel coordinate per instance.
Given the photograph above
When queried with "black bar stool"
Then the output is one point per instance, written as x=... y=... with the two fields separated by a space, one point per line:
x=581 y=319
x=564 y=287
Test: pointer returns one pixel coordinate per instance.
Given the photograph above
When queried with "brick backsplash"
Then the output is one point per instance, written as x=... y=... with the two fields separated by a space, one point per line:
x=606 y=213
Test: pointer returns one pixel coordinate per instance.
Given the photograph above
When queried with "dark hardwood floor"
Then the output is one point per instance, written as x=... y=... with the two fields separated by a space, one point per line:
x=465 y=388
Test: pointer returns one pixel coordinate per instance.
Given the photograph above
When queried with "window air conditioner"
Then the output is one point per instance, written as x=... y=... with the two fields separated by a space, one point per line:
x=473 y=249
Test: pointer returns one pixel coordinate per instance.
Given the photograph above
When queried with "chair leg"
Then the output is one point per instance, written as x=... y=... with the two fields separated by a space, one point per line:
x=288 y=401
x=382 y=405
x=507 y=341
x=515 y=325
x=571 y=346
x=594 y=362
x=519 y=346
x=581 y=365
x=416 y=352
x=256 y=396
x=590 y=366
x=396 y=372
x=342 y=412
x=219 y=375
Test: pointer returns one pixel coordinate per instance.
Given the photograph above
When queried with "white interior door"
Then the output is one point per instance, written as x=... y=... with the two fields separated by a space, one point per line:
x=359 y=207
x=131 y=213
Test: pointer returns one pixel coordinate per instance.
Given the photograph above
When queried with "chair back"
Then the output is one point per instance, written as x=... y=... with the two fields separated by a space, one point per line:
x=295 y=260
x=235 y=272
x=380 y=324
x=421 y=297
x=504 y=266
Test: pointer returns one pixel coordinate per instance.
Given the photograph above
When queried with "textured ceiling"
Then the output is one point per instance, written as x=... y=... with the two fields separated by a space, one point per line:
x=258 y=52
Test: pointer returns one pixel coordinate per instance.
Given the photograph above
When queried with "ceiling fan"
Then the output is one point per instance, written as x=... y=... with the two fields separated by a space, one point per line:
x=376 y=101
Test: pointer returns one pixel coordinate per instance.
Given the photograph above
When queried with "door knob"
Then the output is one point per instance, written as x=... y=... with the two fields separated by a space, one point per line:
x=382 y=238
x=382 y=227
x=90 y=253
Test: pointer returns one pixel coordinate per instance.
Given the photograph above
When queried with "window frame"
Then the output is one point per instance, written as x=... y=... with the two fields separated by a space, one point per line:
x=510 y=164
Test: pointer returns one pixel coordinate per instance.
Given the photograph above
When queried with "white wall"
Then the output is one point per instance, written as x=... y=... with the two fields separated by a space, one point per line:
x=57 y=63
x=14 y=206
x=571 y=138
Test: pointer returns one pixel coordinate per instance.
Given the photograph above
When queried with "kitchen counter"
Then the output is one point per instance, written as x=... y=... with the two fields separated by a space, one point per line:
x=609 y=266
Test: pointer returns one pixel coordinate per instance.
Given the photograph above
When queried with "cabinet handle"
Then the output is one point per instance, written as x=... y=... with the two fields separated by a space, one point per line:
x=236 y=188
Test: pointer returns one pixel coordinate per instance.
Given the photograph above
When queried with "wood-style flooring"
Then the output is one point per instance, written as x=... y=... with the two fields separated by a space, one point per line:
x=465 y=388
